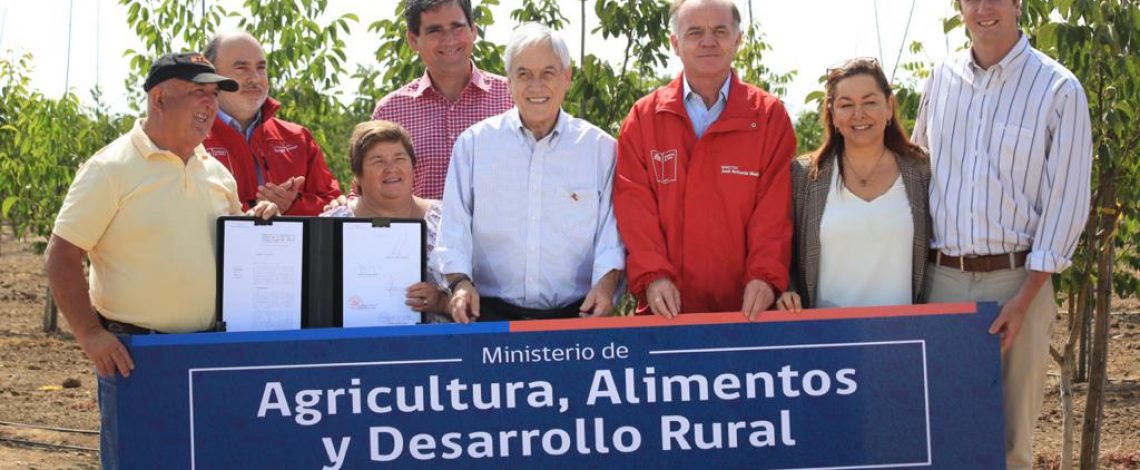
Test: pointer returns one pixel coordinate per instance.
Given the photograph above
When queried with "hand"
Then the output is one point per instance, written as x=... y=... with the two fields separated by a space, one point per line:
x=105 y=350
x=664 y=298
x=758 y=296
x=464 y=304
x=789 y=301
x=600 y=300
x=264 y=209
x=1008 y=321
x=335 y=203
x=281 y=194
x=426 y=297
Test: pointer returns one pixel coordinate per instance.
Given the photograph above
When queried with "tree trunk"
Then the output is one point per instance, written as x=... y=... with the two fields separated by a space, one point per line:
x=582 y=40
x=1086 y=333
x=51 y=312
x=1098 y=376
x=1067 y=408
x=582 y=59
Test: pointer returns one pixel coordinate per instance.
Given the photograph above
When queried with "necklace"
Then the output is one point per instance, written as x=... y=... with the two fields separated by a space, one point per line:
x=363 y=209
x=863 y=179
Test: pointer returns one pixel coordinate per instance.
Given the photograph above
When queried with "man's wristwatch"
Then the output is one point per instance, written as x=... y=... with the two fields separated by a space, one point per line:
x=461 y=278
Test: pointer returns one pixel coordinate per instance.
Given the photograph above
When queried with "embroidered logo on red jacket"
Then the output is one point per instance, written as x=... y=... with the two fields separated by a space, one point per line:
x=218 y=152
x=665 y=166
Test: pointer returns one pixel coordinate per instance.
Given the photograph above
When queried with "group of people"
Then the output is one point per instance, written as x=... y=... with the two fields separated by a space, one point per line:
x=699 y=205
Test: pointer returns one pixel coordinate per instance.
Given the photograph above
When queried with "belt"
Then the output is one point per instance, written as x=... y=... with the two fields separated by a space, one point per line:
x=980 y=264
x=124 y=328
x=497 y=309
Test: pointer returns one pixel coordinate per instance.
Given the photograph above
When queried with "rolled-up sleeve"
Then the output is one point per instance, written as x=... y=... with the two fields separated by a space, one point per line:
x=609 y=252
x=1065 y=190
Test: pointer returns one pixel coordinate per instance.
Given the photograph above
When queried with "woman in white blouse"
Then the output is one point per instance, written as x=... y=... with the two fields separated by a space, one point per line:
x=860 y=201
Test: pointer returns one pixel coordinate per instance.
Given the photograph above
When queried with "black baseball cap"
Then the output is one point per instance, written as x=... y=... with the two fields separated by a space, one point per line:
x=190 y=66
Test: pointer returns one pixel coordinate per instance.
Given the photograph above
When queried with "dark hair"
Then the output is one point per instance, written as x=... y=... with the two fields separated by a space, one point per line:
x=414 y=10
x=894 y=136
x=675 y=5
x=211 y=50
x=369 y=133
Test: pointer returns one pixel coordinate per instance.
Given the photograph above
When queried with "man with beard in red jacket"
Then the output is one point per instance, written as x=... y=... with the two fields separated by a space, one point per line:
x=270 y=158
x=703 y=187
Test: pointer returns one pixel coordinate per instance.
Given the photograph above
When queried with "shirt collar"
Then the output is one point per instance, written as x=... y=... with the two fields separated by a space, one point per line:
x=688 y=93
x=148 y=149
x=1012 y=60
x=233 y=122
x=478 y=80
x=514 y=120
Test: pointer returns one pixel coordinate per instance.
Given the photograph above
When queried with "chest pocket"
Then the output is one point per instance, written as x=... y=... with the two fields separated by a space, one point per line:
x=575 y=213
x=1015 y=146
x=736 y=163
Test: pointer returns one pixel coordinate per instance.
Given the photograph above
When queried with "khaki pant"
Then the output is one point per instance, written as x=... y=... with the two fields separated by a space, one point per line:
x=1025 y=364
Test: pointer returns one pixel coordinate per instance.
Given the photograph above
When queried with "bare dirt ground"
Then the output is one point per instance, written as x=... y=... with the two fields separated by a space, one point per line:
x=46 y=381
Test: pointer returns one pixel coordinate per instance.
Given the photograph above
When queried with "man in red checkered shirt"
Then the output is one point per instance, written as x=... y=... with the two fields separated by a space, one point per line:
x=452 y=95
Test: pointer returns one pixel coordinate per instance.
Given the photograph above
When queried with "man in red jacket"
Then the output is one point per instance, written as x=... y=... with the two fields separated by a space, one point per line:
x=703 y=188
x=271 y=159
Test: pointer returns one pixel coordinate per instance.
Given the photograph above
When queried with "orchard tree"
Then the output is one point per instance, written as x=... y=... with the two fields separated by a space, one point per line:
x=1098 y=41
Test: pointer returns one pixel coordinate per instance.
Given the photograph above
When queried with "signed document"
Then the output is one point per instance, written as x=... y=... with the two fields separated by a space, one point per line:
x=261 y=275
x=378 y=266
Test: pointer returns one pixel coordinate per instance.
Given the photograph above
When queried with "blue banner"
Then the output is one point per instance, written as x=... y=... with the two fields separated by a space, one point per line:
x=891 y=387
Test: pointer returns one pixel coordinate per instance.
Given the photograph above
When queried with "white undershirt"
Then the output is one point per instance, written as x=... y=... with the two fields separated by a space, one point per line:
x=865 y=248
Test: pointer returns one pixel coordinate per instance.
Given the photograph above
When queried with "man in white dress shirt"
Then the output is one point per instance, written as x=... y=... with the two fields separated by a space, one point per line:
x=528 y=227
x=1011 y=154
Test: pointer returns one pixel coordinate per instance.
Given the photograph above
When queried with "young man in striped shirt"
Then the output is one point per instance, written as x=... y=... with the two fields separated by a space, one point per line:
x=1011 y=153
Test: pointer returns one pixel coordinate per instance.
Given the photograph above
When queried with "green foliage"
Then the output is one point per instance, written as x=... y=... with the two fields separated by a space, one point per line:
x=546 y=12
x=603 y=93
x=42 y=143
x=164 y=26
x=1098 y=42
x=306 y=59
x=809 y=131
x=749 y=64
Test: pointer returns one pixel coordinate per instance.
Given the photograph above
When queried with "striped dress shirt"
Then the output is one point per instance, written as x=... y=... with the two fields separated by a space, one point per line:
x=1011 y=156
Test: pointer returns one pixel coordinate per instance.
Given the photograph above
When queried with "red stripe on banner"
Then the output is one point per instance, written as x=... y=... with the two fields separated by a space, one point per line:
x=639 y=321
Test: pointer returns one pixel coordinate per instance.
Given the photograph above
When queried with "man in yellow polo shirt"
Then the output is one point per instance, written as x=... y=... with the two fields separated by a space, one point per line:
x=143 y=210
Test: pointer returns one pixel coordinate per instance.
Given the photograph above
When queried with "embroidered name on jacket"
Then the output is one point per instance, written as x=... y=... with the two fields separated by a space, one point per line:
x=285 y=148
x=735 y=170
x=665 y=166
x=218 y=152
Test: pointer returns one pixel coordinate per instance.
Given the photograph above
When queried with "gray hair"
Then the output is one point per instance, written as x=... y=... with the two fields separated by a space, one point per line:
x=675 y=6
x=533 y=34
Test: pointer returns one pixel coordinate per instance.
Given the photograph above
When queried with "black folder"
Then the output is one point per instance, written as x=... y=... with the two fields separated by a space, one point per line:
x=321 y=280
